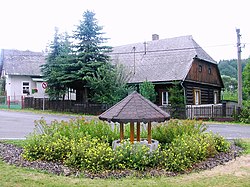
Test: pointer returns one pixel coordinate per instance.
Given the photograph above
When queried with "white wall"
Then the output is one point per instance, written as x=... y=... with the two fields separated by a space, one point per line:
x=14 y=87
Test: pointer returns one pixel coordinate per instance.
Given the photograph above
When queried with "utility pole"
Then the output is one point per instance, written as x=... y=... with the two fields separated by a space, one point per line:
x=239 y=69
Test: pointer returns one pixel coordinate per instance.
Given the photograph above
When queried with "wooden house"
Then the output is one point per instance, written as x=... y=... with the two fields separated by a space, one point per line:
x=165 y=61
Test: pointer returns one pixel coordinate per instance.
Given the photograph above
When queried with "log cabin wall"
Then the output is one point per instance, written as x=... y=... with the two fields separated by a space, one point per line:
x=205 y=77
x=206 y=91
x=204 y=72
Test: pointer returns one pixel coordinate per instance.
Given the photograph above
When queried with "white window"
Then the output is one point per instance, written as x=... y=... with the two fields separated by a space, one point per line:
x=26 y=88
x=216 y=97
x=164 y=98
x=197 y=97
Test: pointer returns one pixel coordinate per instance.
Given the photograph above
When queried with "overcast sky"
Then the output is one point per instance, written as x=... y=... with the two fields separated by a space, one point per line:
x=29 y=24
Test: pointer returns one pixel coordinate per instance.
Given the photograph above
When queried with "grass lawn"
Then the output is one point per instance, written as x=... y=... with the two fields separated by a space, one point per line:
x=234 y=173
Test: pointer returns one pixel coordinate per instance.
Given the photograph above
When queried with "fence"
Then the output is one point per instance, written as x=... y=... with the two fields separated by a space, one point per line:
x=12 y=102
x=212 y=111
x=220 y=112
x=223 y=112
x=64 y=106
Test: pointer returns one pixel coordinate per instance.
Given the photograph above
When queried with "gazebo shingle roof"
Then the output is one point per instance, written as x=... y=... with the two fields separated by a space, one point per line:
x=134 y=108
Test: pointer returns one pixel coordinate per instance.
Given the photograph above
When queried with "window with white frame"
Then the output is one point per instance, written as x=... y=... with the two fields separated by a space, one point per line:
x=26 y=88
x=216 y=97
x=164 y=98
x=197 y=97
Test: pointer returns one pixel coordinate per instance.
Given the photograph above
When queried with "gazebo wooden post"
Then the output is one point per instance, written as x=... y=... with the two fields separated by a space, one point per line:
x=149 y=133
x=132 y=132
x=138 y=132
x=121 y=132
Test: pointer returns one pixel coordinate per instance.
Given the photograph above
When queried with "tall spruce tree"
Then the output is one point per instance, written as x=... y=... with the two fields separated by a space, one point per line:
x=53 y=69
x=90 y=54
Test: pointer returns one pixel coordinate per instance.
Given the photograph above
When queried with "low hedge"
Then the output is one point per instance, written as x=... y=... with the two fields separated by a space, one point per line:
x=86 y=146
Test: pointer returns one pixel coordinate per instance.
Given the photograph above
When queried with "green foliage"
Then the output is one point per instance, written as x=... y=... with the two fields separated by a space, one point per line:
x=91 y=54
x=53 y=70
x=2 y=86
x=166 y=132
x=85 y=145
x=147 y=90
x=187 y=149
x=176 y=99
x=68 y=65
x=220 y=144
x=134 y=156
x=244 y=144
x=90 y=153
x=230 y=83
x=230 y=95
x=109 y=84
x=246 y=82
x=229 y=67
x=184 y=151
x=244 y=116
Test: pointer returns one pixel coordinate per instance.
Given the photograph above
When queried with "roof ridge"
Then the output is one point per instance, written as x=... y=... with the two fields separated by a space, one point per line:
x=129 y=99
x=137 y=43
x=198 y=47
x=117 y=104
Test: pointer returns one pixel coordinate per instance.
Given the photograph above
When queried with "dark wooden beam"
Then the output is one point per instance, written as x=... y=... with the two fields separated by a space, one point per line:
x=132 y=132
x=149 y=133
x=121 y=132
x=138 y=132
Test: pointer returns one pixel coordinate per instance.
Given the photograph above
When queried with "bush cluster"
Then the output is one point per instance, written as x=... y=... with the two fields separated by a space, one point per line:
x=244 y=116
x=86 y=146
x=168 y=131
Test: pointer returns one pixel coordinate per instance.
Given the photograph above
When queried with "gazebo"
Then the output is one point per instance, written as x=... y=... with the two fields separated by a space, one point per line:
x=134 y=109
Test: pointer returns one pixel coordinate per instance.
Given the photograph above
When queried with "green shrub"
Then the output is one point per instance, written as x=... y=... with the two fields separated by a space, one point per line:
x=86 y=145
x=89 y=154
x=244 y=116
x=184 y=151
x=134 y=156
x=221 y=144
x=77 y=128
x=46 y=147
x=166 y=132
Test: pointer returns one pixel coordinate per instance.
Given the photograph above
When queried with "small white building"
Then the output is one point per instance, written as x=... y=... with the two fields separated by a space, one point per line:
x=22 y=73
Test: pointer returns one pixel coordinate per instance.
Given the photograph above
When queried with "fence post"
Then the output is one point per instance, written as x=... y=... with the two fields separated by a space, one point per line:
x=22 y=102
x=8 y=102
x=212 y=111
x=224 y=108
x=192 y=112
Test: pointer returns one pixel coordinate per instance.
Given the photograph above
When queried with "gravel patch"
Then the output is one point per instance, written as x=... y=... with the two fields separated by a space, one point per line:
x=11 y=154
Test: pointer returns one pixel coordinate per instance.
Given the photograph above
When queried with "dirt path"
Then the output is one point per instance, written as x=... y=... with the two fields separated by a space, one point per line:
x=238 y=167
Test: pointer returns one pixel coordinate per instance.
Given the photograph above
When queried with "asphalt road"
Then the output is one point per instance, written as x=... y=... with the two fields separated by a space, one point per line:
x=17 y=125
x=230 y=131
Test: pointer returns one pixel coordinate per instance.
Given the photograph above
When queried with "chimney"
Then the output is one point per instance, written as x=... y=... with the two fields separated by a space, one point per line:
x=155 y=37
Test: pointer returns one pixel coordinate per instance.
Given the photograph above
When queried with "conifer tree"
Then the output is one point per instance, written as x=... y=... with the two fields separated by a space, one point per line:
x=53 y=69
x=90 y=54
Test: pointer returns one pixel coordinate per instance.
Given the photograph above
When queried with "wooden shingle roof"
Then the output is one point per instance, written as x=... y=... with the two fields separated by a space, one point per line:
x=159 y=60
x=134 y=108
x=17 y=62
